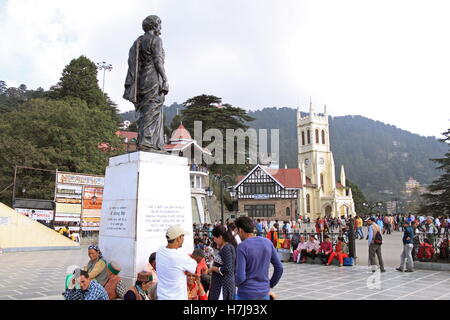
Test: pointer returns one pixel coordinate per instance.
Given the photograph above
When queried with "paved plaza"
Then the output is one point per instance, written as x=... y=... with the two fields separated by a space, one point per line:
x=318 y=282
x=40 y=275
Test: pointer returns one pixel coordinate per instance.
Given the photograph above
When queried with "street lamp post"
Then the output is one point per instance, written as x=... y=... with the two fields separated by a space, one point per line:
x=372 y=205
x=104 y=66
x=223 y=182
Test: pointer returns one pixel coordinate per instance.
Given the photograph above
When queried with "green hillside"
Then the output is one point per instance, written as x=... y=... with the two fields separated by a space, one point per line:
x=378 y=157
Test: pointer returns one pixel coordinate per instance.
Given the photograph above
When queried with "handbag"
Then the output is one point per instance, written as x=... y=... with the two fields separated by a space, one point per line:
x=348 y=262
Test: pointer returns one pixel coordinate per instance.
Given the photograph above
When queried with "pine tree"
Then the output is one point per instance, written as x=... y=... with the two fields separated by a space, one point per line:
x=79 y=80
x=215 y=115
x=438 y=197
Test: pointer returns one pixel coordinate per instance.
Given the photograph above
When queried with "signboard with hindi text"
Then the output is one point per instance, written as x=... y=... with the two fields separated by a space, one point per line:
x=80 y=179
x=79 y=200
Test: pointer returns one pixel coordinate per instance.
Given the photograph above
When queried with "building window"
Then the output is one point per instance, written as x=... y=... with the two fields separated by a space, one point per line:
x=321 y=182
x=288 y=212
x=308 y=136
x=323 y=137
x=259 y=188
x=303 y=138
x=266 y=210
x=317 y=136
x=308 y=204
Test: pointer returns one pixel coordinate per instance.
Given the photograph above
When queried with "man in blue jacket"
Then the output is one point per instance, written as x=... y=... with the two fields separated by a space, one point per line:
x=406 y=256
x=253 y=258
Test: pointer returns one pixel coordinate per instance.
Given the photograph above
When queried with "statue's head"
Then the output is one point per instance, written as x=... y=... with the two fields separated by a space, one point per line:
x=152 y=23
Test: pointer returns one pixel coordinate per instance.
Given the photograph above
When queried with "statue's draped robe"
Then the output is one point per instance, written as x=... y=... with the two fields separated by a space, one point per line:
x=143 y=88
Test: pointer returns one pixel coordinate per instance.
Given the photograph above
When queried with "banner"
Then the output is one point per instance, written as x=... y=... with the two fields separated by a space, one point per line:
x=68 y=193
x=70 y=178
x=92 y=198
x=79 y=198
x=68 y=208
x=66 y=218
x=46 y=215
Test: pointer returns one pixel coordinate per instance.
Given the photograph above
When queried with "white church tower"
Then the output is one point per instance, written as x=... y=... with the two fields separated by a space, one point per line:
x=321 y=195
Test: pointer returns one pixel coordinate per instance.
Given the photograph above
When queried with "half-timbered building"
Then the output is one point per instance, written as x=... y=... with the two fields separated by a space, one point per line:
x=269 y=193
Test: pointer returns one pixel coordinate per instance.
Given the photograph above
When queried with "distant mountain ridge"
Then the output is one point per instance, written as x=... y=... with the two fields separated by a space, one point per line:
x=378 y=157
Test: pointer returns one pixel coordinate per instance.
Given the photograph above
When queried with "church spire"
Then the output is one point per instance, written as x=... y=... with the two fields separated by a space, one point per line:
x=325 y=113
x=311 y=111
x=343 y=176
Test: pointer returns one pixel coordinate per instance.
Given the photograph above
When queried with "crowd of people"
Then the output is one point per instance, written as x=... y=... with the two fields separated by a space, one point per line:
x=231 y=261
x=233 y=266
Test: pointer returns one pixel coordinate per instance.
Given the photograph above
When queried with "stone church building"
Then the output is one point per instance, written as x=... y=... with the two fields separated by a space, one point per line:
x=310 y=190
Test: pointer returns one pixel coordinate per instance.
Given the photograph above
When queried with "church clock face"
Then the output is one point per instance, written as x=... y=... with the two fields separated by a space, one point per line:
x=306 y=162
x=321 y=161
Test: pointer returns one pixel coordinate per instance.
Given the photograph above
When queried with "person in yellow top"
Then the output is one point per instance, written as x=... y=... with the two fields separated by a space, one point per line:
x=64 y=231
x=359 y=228
x=96 y=266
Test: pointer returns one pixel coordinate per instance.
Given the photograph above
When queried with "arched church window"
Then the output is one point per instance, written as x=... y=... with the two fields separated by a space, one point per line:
x=288 y=212
x=323 y=136
x=308 y=203
x=317 y=136
x=303 y=138
x=308 y=136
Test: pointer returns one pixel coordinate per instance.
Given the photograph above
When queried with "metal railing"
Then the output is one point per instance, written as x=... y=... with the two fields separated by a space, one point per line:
x=291 y=235
x=198 y=168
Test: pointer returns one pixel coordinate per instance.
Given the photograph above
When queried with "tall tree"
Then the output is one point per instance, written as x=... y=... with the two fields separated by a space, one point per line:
x=79 y=80
x=56 y=134
x=438 y=197
x=214 y=114
x=358 y=197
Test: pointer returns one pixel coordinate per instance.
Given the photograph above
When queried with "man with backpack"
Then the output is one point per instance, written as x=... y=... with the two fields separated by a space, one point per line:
x=375 y=240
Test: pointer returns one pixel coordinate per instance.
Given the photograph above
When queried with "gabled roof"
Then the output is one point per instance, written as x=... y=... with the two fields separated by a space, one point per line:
x=180 y=133
x=289 y=178
x=286 y=178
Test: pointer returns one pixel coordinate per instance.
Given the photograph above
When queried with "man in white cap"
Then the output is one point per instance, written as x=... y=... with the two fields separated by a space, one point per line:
x=172 y=265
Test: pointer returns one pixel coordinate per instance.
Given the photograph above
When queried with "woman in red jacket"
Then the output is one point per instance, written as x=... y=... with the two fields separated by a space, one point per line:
x=340 y=253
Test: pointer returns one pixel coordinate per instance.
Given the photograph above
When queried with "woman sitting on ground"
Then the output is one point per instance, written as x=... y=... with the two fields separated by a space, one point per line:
x=141 y=287
x=96 y=266
x=195 y=288
x=340 y=253
x=298 y=252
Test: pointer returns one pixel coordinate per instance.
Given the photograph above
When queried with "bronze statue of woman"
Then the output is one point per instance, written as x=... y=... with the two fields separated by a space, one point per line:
x=146 y=85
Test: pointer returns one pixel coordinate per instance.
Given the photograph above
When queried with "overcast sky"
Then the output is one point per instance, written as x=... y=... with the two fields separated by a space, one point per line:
x=388 y=60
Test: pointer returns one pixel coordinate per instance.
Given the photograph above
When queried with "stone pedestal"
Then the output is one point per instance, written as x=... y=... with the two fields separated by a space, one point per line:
x=145 y=193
